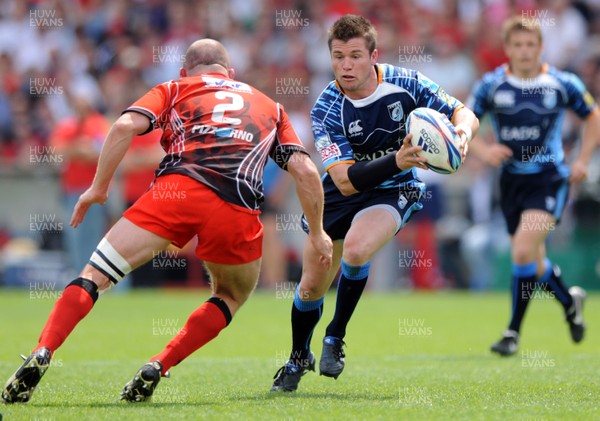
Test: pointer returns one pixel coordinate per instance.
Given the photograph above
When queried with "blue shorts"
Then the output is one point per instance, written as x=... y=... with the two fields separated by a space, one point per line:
x=547 y=191
x=340 y=211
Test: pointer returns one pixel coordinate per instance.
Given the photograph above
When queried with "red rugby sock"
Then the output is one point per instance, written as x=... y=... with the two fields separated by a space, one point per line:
x=203 y=325
x=73 y=305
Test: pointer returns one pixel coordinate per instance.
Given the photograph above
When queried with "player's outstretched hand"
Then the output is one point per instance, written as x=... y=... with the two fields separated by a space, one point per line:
x=579 y=172
x=407 y=156
x=324 y=246
x=87 y=199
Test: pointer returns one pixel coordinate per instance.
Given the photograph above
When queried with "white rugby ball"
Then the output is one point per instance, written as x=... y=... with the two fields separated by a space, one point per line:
x=433 y=131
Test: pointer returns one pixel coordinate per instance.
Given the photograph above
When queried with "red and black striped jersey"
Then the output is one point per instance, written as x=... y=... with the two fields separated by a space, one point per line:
x=219 y=132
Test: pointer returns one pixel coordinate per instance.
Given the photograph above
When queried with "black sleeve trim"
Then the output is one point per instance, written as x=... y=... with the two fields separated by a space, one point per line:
x=283 y=153
x=144 y=113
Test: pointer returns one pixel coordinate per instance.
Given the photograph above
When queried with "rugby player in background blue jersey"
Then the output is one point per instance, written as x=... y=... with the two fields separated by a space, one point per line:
x=526 y=100
x=371 y=188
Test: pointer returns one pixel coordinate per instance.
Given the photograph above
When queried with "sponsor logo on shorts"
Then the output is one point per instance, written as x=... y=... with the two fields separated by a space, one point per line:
x=402 y=201
x=550 y=203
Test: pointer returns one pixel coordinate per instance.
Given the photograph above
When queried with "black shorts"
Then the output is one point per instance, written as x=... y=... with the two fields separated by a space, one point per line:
x=546 y=191
x=340 y=211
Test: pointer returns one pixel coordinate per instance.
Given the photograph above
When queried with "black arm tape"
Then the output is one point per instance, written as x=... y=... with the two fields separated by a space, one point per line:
x=366 y=175
x=223 y=307
x=90 y=287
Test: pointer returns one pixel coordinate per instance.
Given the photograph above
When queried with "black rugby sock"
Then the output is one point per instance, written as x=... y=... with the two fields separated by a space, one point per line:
x=305 y=316
x=523 y=288
x=551 y=281
x=350 y=288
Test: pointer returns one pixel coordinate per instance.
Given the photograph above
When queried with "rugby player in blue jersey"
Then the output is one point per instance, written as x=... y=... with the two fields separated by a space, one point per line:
x=526 y=100
x=371 y=188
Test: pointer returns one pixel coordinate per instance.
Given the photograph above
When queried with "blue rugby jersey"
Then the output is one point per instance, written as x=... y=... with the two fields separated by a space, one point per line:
x=527 y=115
x=347 y=130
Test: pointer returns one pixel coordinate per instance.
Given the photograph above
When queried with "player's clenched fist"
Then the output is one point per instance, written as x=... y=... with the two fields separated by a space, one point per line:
x=407 y=156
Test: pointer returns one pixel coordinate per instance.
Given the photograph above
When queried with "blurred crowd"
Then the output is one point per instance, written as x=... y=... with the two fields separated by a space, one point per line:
x=68 y=68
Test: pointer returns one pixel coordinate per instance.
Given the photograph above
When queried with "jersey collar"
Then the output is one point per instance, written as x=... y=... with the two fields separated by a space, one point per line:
x=543 y=70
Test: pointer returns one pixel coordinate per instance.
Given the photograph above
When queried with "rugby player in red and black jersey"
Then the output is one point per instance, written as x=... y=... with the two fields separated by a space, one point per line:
x=217 y=134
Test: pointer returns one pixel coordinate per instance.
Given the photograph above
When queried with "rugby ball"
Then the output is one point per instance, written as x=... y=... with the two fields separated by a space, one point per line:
x=433 y=131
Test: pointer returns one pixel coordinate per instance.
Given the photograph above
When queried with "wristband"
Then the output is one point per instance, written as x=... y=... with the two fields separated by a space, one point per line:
x=366 y=175
x=467 y=130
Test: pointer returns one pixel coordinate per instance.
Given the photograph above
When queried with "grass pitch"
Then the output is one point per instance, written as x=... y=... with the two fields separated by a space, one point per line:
x=409 y=356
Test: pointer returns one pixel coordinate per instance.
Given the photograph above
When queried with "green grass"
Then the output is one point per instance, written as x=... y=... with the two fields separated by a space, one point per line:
x=436 y=367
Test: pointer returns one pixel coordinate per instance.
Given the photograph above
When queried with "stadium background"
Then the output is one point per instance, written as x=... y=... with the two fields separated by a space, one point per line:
x=54 y=54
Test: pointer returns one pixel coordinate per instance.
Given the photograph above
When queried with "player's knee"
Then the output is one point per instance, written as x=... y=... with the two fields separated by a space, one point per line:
x=522 y=254
x=233 y=293
x=314 y=282
x=96 y=277
x=355 y=253
x=310 y=292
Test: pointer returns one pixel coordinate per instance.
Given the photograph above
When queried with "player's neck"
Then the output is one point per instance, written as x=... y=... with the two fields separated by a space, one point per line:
x=527 y=73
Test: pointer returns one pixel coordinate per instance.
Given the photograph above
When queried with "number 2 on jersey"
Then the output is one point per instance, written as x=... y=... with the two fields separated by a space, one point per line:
x=237 y=103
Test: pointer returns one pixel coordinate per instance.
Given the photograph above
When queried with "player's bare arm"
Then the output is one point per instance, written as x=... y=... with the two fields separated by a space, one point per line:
x=490 y=152
x=310 y=194
x=466 y=125
x=114 y=149
x=590 y=140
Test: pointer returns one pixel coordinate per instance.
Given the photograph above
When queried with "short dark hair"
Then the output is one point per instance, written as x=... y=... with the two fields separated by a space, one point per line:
x=353 y=26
